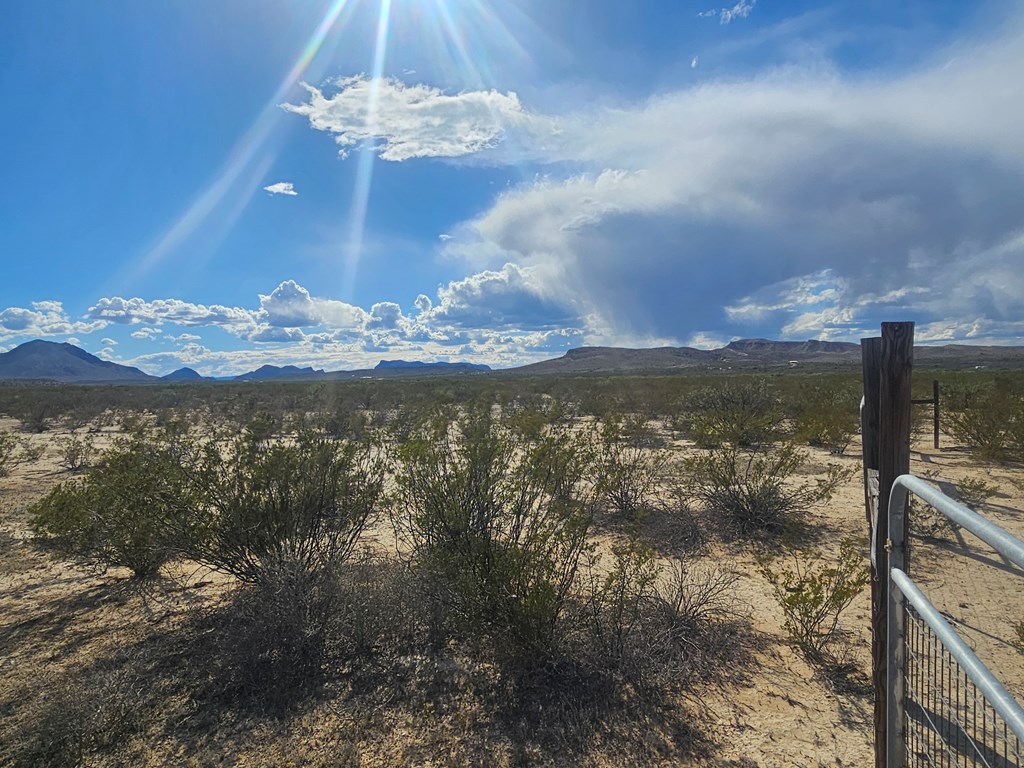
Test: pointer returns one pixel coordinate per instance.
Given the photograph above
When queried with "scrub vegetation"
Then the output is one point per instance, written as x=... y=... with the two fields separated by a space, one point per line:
x=482 y=561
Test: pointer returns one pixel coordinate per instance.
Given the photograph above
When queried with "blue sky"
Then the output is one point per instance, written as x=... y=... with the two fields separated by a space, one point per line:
x=227 y=183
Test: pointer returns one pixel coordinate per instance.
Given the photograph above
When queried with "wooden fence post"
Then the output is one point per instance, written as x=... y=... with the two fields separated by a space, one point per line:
x=871 y=365
x=894 y=400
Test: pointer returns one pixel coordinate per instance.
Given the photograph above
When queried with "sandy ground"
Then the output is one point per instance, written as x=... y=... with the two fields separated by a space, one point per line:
x=783 y=714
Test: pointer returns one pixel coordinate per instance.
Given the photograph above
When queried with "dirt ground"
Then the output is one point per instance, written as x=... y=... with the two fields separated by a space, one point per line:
x=55 y=615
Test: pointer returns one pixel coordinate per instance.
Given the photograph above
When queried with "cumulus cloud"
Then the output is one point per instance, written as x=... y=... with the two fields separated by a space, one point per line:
x=45 y=318
x=714 y=206
x=136 y=310
x=409 y=121
x=282 y=188
x=146 y=333
x=509 y=297
x=108 y=342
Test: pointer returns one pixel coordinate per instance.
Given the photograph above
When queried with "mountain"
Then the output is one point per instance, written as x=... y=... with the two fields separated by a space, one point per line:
x=182 y=374
x=420 y=365
x=273 y=372
x=760 y=354
x=50 y=361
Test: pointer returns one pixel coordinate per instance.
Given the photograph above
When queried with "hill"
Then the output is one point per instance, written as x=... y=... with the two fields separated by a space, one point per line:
x=50 y=361
x=182 y=374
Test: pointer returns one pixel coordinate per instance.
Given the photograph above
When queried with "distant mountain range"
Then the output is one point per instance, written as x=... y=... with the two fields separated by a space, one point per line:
x=50 y=361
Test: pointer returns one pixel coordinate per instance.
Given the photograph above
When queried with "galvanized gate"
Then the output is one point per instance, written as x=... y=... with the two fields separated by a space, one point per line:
x=945 y=707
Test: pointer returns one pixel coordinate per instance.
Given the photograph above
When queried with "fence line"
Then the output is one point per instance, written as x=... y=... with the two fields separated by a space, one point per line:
x=945 y=707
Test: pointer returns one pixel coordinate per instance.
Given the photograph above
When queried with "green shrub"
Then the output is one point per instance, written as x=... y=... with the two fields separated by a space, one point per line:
x=31 y=452
x=738 y=413
x=988 y=419
x=8 y=443
x=119 y=513
x=814 y=591
x=494 y=524
x=975 y=492
x=827 y=416
x=255 y=505
x=76 y=452
x=628 y=471
x=754 y=490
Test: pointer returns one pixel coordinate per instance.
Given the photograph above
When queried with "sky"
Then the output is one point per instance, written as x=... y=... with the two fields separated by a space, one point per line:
x=221 y=184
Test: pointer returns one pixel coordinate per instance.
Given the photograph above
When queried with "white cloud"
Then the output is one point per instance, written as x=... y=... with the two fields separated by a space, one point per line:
x=415 y=120
x=108 y=342
x=694 y=62
x=700 y=200
x=46 y=318
x=282 y=188
x=135 y=310
x=146 y=333
x=741 y=10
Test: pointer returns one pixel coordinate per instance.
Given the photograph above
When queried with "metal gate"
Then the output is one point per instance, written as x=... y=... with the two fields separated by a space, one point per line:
x=945 y=708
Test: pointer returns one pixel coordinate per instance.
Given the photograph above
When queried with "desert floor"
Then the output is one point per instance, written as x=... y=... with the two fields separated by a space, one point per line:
x=782 y=711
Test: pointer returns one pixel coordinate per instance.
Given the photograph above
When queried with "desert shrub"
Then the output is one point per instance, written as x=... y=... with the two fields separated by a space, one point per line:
x=628 y=471
x=118 y=514
x=659 y=625
x=276 y=633
x=494 y=525
x=827 y=416
x=76 y=452
x=64 y=719
x=738 y=413
x=975 y=492
x=988 y=419
x=813 y=592
x=620 y=599
x=754 y=490
x=30 y=452
x=255 y=505
x=8 y=444
x=1018 y=636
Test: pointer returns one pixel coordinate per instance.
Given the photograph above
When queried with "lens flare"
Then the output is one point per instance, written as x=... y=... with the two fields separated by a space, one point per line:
x=251 y=148
x=364 y=169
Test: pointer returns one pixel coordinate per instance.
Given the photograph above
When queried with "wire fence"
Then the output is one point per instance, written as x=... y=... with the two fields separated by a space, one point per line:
x=949 y=722
x=946 y=708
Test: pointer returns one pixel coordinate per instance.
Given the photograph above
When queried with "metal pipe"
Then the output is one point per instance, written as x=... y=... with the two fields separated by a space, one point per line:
x=1002 y=542
x=1001 y=700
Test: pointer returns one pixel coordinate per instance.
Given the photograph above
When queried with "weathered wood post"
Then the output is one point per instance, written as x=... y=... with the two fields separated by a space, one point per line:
x=935 y=413
x=887 y=365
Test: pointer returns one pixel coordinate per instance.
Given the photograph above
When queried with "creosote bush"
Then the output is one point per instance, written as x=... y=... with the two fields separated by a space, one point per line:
x=743 y=413
x=628 y=470
x=987 y=418
x=975 y=492
x=118 y=513
x=813 y=591
x=8 y=443
x=495 y=524
x=258 y=507
x=76 y=452
x=827 y=416
x=754 y=490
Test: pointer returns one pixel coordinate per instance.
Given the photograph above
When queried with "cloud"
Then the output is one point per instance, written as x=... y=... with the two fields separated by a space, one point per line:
x=291 y=306
x=282 y=188
x=411 y=121
x=694 y=62
x=712 y=207
x=511 y=297
x=108 y=342
x=146 y=333
x=136 y=310
x=741 y=10
x=45 y=318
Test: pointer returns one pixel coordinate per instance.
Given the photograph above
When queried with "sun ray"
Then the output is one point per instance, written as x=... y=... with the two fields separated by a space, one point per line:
x=364 y=169
x=251 y=147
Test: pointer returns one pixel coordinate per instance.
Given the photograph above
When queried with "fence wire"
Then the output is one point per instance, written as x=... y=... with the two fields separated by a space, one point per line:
x=949 y=722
